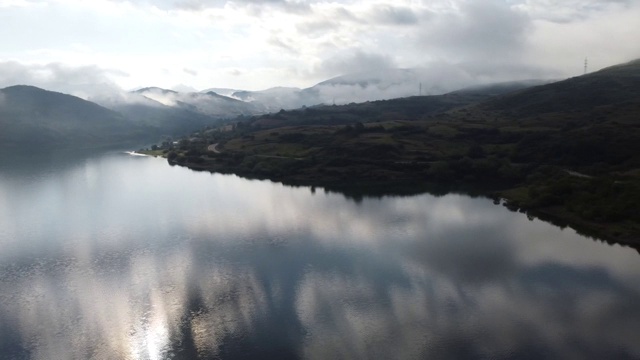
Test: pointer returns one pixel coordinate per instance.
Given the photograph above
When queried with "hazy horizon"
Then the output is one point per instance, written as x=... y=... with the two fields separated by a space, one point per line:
x=84 y=48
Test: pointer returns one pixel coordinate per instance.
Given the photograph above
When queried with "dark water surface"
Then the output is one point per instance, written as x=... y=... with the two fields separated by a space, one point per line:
x=123 y=257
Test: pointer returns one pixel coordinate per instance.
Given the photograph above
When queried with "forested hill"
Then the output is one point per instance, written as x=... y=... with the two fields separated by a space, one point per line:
x=33 y=118
x=569 y=150
x=613 y=86
x=589 y=122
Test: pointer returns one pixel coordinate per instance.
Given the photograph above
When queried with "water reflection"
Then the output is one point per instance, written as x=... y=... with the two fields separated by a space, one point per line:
x=128 y=258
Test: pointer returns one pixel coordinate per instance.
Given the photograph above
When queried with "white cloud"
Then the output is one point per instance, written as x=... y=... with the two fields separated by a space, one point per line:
x=354 y=61
x=82 y=81
x=395 y=15
x=477 y=31
x=259 y=44
x=605 y=39
x=570 y=10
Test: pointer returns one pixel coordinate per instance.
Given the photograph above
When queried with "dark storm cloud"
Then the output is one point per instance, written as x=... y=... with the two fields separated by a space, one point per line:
x=487 y=30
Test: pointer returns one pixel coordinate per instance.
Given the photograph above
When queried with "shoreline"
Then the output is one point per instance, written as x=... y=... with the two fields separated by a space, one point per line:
x=622 y=233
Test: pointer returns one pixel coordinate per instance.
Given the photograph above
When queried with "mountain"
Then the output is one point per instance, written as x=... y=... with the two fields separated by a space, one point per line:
x=408 y=108
x=275 y=99
x=345 y=89
x=391 y=84
x=578 y=122
x=382 y=85
x=31 y=117
x=210 y=103
x=169 y=112
x=221 y=91
x=502 y=88
x=160 y=119
x=614 y=86
x=372 y=86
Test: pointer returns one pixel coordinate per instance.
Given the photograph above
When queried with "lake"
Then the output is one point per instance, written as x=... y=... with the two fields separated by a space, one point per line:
x=113 y=256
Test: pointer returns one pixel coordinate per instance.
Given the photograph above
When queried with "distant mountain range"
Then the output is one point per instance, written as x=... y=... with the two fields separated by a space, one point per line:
x=219 y=103
x=208 y=103
x=29 y=115
x=357 y=87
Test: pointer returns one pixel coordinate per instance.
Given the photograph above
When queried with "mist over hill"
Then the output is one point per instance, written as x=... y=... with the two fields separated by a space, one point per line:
x=158 y=117
x=31 y=117
x=617 y=85
x=209 y=103
x=224 y=103
x=35 y=116
x=381 y=85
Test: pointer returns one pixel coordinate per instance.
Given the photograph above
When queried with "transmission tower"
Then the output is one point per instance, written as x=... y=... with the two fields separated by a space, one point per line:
x=585 y=65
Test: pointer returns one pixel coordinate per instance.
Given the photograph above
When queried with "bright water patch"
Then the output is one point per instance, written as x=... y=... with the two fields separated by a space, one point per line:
x=117 y=256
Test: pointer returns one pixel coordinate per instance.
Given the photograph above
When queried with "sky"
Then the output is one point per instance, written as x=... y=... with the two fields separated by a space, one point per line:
x=80 y=46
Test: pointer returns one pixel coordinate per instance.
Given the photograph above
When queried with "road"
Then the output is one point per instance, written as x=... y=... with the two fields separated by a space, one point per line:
x=214 y=148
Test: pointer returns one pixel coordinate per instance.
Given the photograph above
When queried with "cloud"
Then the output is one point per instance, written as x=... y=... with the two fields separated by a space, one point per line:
x=83 y=81
x=603 y=35
x=310 y=41
x=258 y=8
x=354 y=62
x=570 y=10
x=302 y=269
x=317 y=27
x=434 y=78
x=459 y=254
x=394 y=15
x=487 y=30
x=184 y=88
x=485 y=72
x=281 y=44
x=190 y=72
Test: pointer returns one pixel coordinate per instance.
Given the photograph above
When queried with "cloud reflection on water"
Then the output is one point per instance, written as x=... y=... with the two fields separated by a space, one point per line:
x=129 y=258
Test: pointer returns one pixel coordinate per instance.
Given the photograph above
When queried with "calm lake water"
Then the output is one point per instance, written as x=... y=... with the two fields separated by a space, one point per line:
x=113 y=256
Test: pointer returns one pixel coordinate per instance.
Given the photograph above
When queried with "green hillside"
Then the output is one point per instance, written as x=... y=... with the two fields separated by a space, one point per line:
x=567 y=151
x=32 y=118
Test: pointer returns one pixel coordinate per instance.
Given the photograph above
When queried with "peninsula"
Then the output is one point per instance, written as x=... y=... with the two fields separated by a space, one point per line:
x=567 y=152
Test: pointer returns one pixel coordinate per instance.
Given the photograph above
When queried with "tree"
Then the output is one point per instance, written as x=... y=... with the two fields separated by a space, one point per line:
x=475 y=151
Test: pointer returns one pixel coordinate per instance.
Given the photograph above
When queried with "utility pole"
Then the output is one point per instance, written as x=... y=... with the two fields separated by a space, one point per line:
x=420 y=89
